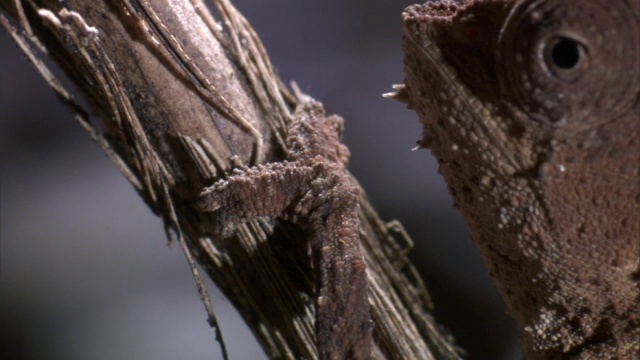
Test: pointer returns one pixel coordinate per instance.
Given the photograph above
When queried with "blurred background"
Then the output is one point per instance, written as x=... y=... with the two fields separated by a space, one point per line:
x=85 y=271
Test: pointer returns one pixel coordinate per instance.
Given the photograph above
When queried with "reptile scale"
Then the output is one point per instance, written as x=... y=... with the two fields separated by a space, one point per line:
x=532 y=110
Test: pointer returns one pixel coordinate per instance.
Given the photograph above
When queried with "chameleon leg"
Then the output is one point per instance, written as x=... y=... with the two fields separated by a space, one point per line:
x=319 y=197
x=342 y=307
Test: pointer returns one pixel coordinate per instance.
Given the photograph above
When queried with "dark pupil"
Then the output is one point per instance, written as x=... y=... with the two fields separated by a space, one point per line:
x=565 y=54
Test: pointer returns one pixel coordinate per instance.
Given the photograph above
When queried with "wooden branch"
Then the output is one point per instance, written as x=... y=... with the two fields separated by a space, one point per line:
x=184 y=98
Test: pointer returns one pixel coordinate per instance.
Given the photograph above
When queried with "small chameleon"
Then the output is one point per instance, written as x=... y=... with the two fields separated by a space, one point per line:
x=532 y=109
x=312 y=190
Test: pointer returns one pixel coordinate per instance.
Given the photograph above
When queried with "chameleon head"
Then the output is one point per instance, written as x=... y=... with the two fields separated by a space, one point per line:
x=532 y=109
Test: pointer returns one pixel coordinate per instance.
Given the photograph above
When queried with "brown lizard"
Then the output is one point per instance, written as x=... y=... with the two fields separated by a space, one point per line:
x=532 y=109
x=312 y=190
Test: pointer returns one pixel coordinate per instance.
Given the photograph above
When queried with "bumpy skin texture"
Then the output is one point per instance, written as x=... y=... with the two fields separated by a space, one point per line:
x=312 y=191
x=532 y=109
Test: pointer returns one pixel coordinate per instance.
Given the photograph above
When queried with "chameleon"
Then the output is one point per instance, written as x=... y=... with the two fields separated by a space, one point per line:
x=532 y=109
x=312 y=190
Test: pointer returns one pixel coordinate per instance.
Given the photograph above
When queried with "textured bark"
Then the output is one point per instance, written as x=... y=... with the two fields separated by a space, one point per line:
x=182 y=101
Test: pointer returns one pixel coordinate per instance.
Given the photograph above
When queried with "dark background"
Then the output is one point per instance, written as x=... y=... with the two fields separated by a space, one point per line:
x=85 y=272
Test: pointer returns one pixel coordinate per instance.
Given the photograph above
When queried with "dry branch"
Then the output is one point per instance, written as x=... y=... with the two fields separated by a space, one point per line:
x=184 y=98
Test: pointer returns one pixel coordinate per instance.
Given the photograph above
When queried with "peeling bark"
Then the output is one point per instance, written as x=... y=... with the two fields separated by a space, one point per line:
x=183 y=98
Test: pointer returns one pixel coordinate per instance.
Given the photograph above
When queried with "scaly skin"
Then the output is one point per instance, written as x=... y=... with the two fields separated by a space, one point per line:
x=532 y=109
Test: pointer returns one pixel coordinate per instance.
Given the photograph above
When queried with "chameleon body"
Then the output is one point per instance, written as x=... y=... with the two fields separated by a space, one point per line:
x=532 y=109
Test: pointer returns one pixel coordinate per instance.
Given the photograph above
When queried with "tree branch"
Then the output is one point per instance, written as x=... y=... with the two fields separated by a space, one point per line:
x=183 y=99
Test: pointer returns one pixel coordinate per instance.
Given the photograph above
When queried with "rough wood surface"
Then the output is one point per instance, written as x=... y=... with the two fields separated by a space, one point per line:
x=184 y=98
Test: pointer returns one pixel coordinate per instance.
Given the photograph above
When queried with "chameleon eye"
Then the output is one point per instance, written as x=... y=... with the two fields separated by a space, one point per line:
x=564 y=57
